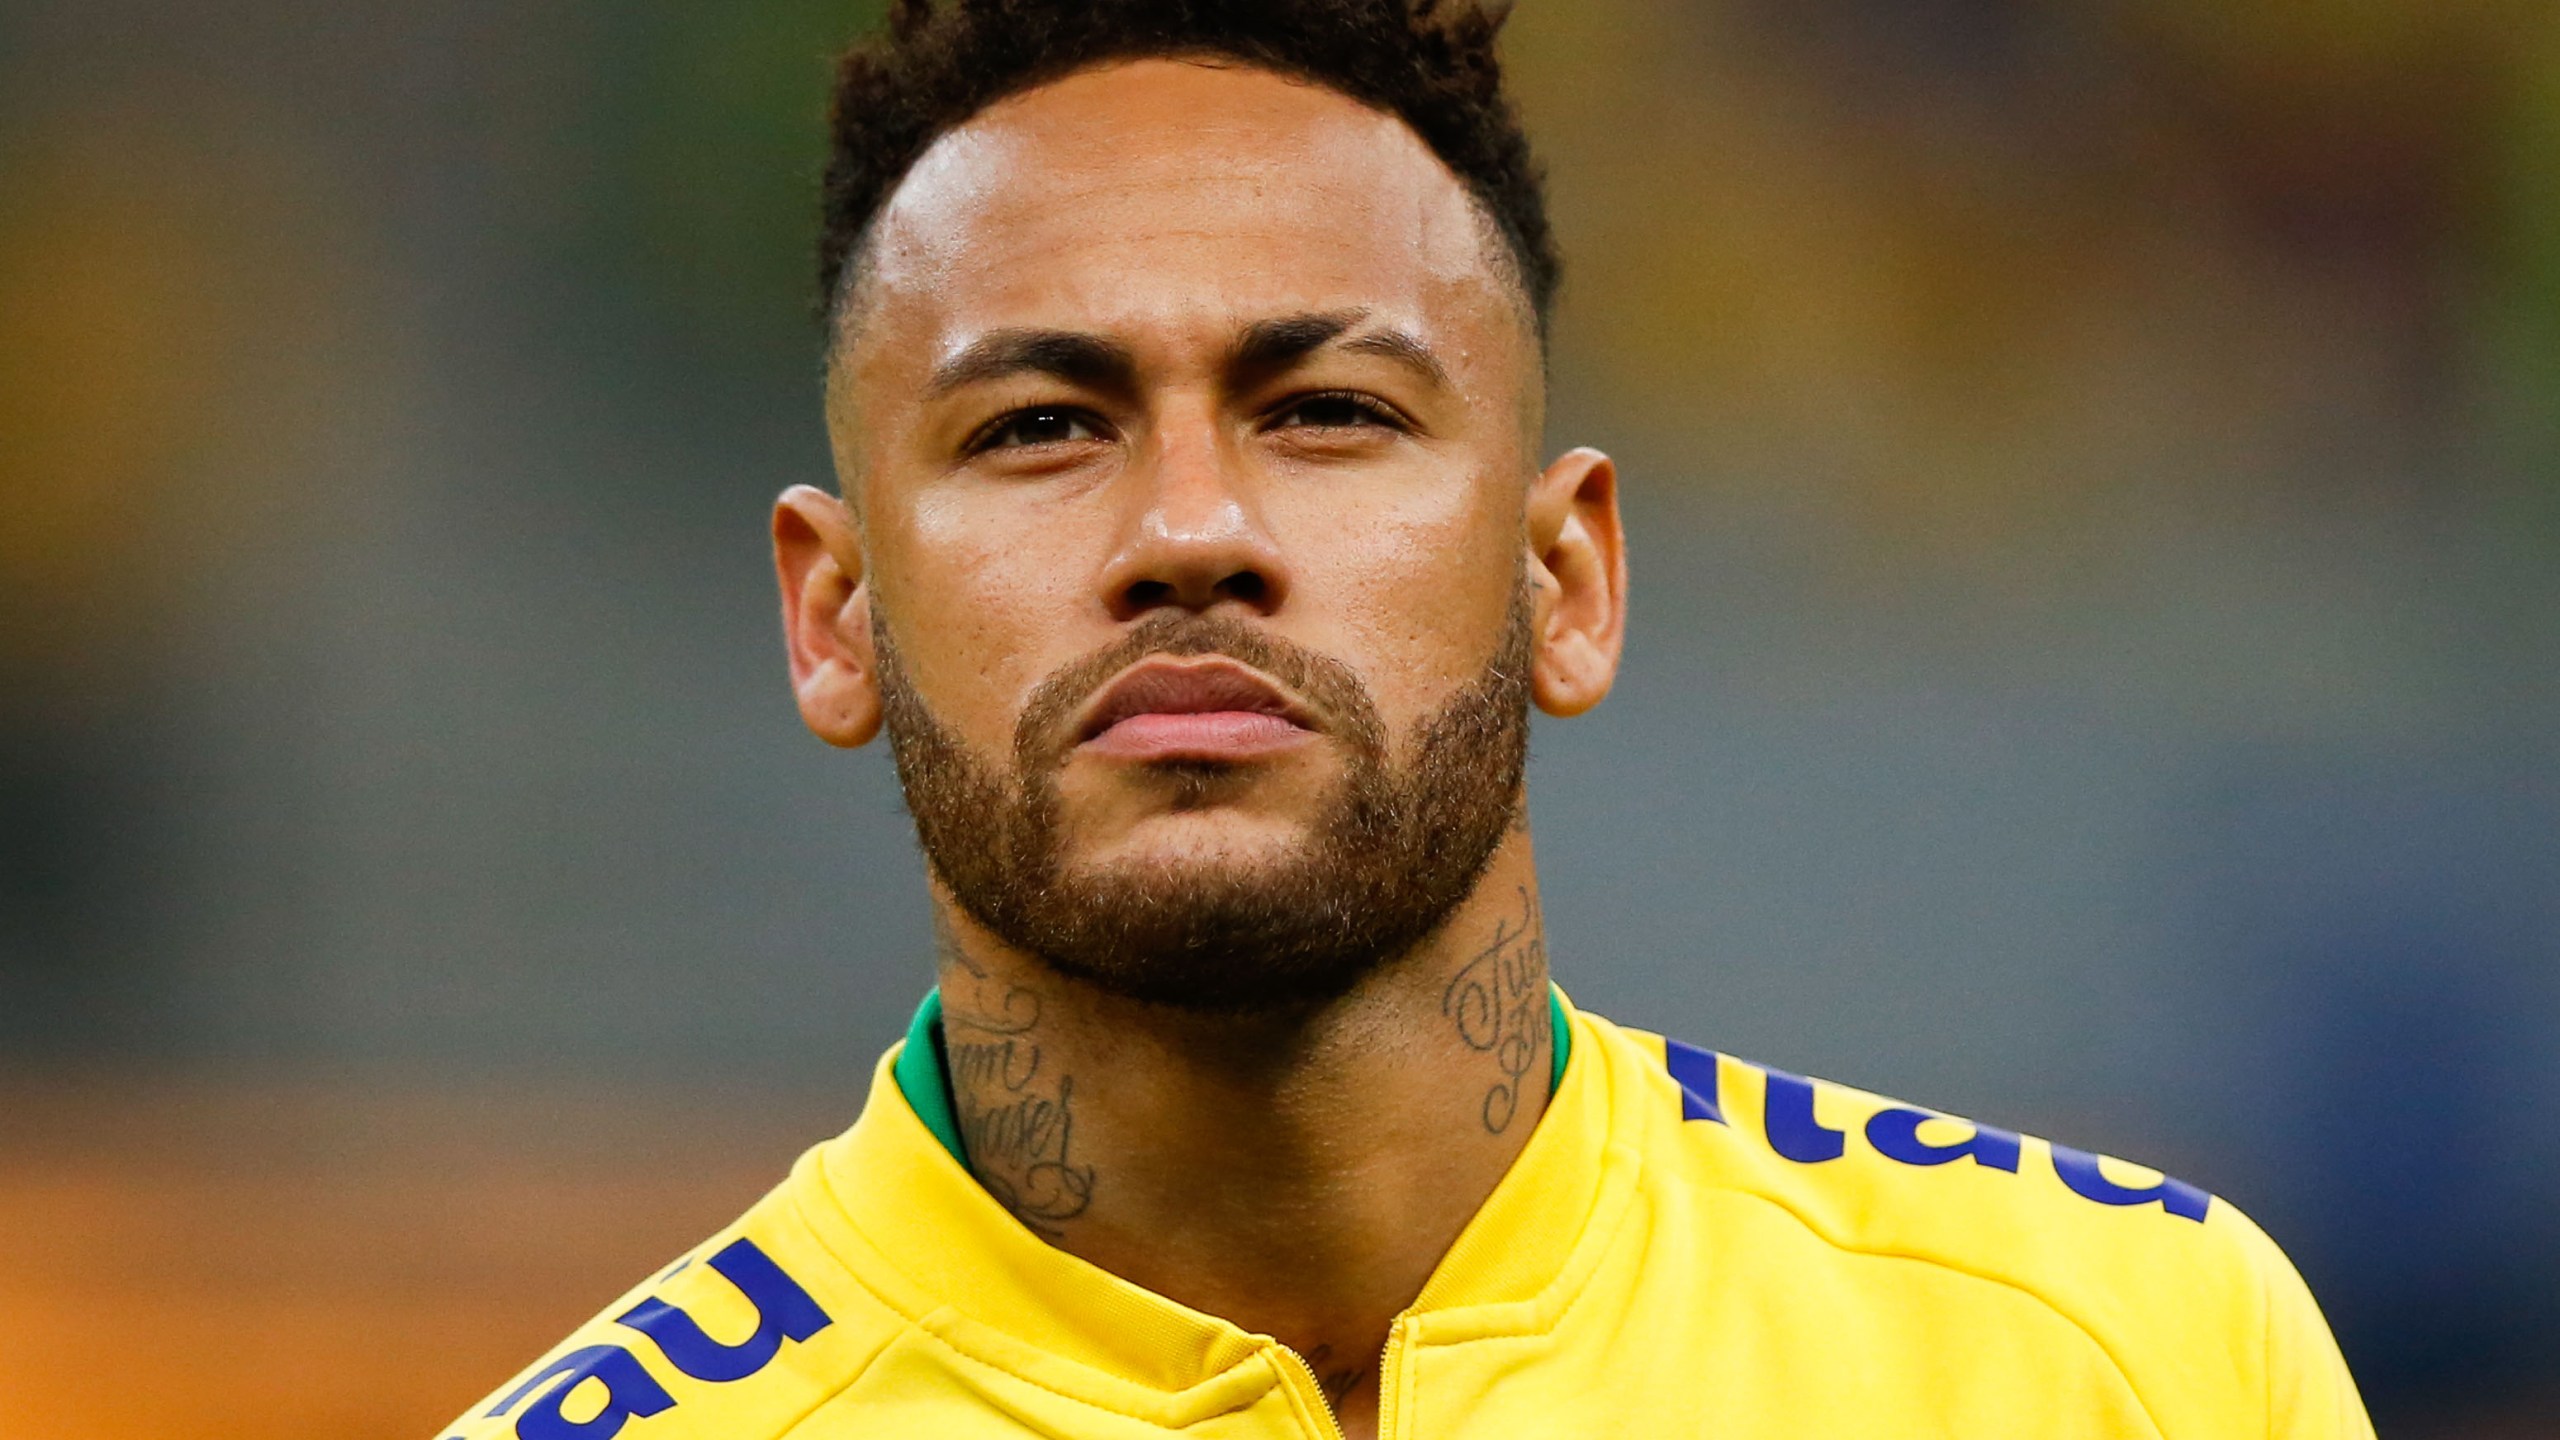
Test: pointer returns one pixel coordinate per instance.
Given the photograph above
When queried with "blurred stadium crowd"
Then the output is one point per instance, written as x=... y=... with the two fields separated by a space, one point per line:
x=2094 y=472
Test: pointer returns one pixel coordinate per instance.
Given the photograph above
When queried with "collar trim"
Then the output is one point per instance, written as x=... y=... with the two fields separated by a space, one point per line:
x=923 y=1070
x=924 y=1076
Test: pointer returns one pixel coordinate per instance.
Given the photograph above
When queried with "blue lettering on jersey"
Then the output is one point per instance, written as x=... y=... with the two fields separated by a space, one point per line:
x=630 y=1392
x=1787 y=1116
x=1896 y=1135
x=784 y=1311
x=1695 y=1070
x=2079 y=1170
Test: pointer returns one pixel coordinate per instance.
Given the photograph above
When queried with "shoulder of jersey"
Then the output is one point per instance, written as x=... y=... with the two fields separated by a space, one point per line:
x=2141 y=1261
x=741 y=1338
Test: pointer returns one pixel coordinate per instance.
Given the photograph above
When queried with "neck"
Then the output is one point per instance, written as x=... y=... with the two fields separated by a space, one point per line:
x=1300 y=1176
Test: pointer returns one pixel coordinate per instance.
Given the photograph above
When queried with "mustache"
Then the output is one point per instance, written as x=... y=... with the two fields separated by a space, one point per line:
x=1331 y=689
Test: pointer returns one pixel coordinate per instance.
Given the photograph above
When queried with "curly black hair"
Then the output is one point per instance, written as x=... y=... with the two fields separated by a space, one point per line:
x=1429 y=63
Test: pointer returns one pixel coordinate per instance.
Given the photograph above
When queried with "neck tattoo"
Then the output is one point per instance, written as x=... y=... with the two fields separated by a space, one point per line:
x=1016 y=1111
x=1499 y=1003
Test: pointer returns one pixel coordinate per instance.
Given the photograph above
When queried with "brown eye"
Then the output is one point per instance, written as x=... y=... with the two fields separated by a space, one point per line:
x=1333 y=412
x=1037 y=427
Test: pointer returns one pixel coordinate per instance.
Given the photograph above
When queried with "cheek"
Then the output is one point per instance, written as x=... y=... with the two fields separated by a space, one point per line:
x=981 y=603
x=1413 y=588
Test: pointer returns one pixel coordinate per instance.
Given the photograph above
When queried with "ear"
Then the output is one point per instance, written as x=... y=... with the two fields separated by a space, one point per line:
x=1578 y=564
x=826 y=615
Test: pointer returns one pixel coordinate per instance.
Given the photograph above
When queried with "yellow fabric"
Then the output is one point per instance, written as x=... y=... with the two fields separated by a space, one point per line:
x=1637 y=1273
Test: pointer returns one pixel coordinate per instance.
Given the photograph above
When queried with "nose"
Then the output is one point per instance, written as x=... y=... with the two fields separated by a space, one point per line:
x=1195 y=538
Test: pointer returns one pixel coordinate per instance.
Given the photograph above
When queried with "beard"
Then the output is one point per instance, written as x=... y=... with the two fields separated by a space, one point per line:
x=1392 y=850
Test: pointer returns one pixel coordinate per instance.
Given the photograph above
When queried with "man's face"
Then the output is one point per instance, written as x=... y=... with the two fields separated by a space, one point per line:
x=1188 y=414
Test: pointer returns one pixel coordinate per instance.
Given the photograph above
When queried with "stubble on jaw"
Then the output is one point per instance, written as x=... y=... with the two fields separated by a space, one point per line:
x=1399 y=844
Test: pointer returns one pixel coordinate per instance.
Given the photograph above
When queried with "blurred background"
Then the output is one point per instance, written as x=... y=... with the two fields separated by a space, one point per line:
x=2094 y=471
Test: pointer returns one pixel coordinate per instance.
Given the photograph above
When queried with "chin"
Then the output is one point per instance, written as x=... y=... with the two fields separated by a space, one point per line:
x=1219 y=843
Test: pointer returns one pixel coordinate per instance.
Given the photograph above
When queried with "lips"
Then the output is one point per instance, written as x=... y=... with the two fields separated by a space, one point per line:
x=1203 y=708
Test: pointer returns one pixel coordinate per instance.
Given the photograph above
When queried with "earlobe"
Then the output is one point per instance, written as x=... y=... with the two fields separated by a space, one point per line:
x=1577 y=562
x=826 y=616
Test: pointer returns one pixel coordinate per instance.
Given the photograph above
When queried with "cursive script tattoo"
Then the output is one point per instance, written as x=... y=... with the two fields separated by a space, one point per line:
x=1501 y=1009
x=1016 y=1123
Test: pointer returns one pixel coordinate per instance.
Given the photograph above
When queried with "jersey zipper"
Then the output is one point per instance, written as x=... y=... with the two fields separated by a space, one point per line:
x=1391 y=1378
x=1390 y=1385
x=1310 y=1393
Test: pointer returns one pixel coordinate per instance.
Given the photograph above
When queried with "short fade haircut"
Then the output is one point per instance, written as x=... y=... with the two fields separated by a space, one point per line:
x=1430 y=64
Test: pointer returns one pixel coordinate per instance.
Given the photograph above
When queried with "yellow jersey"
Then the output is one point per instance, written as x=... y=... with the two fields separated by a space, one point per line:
x=1688 y=1245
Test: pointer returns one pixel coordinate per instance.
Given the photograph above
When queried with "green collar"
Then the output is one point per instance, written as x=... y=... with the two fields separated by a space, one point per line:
x=924 y=1076
x=923 y=1072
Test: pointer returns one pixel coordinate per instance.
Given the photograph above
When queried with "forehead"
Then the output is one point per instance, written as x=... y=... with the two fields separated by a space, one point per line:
x=1169 y=197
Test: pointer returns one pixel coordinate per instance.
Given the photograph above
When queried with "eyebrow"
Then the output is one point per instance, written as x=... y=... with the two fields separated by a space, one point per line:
x=1405 y=349
x=1267 y=346
x=1070 y=355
